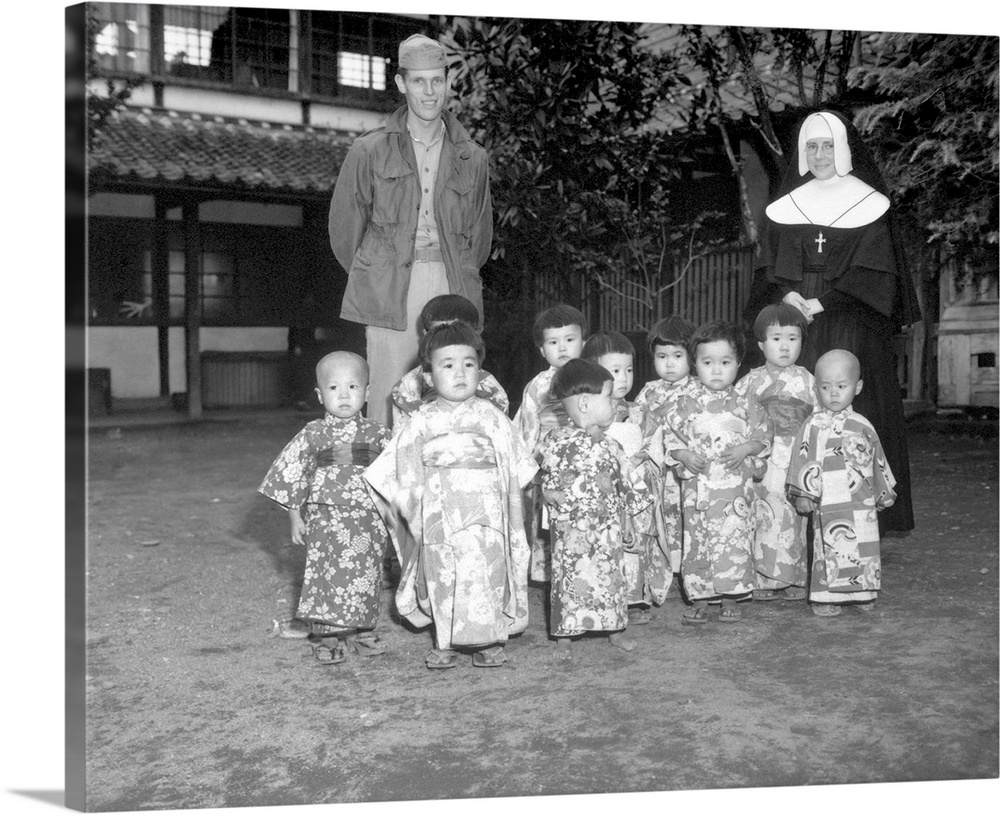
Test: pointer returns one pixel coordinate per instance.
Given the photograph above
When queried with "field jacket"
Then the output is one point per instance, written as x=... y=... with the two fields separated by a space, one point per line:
x=373 y=219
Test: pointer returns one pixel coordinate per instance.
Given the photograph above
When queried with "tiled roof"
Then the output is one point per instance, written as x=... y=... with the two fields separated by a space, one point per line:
x=165 y=147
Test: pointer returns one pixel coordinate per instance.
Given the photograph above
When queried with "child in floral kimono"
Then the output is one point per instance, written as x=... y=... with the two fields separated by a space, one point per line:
x=615 y=353
x=719 y=441
x=453 y=476
x=839 y=475
x=318 y=479
x=668 y=344
x=412 y=389
x=589 y=485
x=785 y=391
x=558 y=333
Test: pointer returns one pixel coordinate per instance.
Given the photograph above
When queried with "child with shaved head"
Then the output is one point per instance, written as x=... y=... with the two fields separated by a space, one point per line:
x=840 y=476
x=318 y=479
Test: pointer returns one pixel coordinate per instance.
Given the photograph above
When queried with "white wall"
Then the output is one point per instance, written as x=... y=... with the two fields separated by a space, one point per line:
x=131 y=354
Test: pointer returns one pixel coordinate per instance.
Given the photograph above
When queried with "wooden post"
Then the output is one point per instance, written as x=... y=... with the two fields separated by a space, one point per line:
x=192 y=307
x=160 y=271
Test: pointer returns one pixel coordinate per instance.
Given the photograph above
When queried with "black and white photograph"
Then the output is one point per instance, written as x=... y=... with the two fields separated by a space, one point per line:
x=508 y=405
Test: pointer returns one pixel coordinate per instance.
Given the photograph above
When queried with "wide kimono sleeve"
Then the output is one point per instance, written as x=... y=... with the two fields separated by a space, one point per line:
x=805 y=471
x=526 y=419
x=883 y=481
x=396 y=483
x=636 y=493
x=492 y=391
x=288 y=480
x=760 y=429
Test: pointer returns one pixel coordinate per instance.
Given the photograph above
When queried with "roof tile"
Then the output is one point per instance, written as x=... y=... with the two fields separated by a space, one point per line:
x=152 y=145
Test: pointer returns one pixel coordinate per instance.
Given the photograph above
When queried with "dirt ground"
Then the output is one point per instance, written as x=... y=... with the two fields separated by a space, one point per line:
x=192 y=705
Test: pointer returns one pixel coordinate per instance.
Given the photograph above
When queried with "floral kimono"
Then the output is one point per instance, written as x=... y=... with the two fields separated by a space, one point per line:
x=780 y=553
x=535 y=417
x=838 y=464
x=589 y=486
x=659 y=399
x=412 y=390
x=454 y=476
x=647 y=577
x=319 y=472
x=718 y=503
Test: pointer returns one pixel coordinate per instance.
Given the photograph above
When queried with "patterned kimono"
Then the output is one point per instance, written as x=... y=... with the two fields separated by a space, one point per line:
x=838 y=463
x=412 y=390
x=717 y=504
x=646 y=577
x=780 y=553
x=454 y=476
x=659 y=399
x=320 y=472
x=588 y=485
x=535 y=417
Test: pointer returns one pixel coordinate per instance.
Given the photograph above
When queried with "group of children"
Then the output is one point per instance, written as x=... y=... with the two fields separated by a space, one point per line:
x=706 y=485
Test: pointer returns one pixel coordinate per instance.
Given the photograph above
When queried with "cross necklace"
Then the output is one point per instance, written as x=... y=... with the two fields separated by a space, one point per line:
x=820 y=240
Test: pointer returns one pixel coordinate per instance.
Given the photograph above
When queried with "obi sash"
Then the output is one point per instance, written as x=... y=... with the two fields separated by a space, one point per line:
x=459 y=450
x=344 y=454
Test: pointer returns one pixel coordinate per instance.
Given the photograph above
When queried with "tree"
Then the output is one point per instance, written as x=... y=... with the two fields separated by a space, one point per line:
x=933 y=123
x=580 y=181
x=740 y=79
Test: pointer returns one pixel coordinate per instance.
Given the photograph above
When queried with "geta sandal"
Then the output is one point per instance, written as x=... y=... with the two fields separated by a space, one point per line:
x=826 y=610
x=368 y=644
x=695 y=615
x=730 y=613
x=325 y=654
x=441 y=659
x=765 y=595
x=490 y=657
x=290 y=629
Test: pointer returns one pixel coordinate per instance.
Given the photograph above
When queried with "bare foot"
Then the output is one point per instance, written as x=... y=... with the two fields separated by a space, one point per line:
x=619 y=641
x=564 y=649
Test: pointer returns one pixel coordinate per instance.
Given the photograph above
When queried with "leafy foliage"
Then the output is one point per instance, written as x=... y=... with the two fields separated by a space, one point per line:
x=580 y=180
x=934 y=124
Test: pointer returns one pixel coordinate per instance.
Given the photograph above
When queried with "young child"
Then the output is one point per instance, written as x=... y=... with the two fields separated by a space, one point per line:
x=558 y=333
x=839 y=475
x=453 y=475
x=412 y=389
x=668 y=344
x=719 y=440
x=588 y=484
x=615 y=353
x=785 y=391
x=318 y=479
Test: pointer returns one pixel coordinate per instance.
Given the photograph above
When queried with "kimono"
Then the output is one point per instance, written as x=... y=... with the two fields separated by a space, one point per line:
x=647 y=578
x=659 y=398
x=838 y=463
x=588 y=485
x=320 y=472
x=780 y=554
x=717 y=504
x=413 y=390
x=535 y=417
x=453 y=476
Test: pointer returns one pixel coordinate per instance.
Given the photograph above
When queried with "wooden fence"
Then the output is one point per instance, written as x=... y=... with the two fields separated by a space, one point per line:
x=715 y=286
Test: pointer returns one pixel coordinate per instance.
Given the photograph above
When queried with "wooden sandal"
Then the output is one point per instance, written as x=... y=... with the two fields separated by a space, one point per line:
x=325 y=654
x=441 y=659
x=490 y=657
x=695 y=615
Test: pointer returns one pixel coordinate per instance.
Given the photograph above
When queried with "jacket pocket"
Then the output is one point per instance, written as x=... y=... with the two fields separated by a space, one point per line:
x=391 y=194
